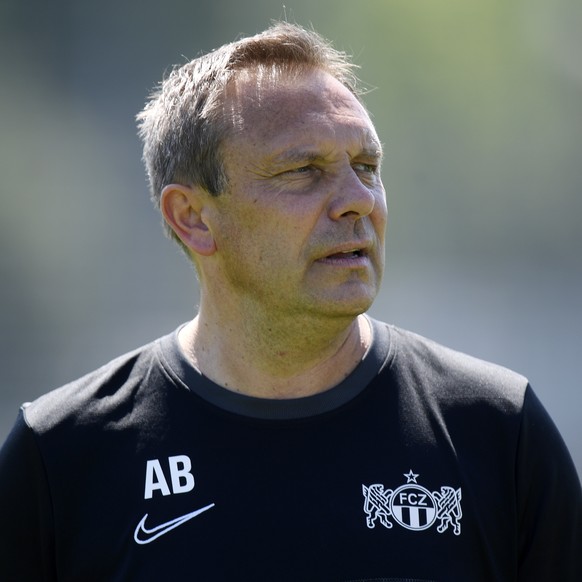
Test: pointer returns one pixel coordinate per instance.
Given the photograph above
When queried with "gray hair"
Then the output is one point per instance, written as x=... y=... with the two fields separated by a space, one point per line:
x=182 y=125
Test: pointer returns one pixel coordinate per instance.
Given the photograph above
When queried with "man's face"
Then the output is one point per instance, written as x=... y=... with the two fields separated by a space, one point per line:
x=301 y=226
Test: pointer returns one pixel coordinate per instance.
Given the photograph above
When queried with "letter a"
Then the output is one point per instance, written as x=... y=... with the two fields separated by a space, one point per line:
x=155 y=479
x=182 y=478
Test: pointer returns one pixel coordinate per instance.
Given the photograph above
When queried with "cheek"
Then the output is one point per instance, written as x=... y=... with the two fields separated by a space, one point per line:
x=380 y=213
x=260 y=231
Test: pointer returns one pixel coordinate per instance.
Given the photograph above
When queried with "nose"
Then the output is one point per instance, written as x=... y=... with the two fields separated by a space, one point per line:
x=352 y=197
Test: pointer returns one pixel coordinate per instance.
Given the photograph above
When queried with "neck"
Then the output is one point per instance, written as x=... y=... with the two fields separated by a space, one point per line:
x=298 y=358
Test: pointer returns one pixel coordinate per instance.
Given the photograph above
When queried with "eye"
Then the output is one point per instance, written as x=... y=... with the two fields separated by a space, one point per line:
x=366 y=168
x=369 y=174
x=301 y=170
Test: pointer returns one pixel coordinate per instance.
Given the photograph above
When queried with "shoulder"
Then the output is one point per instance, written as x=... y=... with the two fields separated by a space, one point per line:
x=95 y=394
x=451 y=375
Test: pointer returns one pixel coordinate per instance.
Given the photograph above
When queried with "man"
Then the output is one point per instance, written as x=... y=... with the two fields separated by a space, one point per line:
x=283 y=435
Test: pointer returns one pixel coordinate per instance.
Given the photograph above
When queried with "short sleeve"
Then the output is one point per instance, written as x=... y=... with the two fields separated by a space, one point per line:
x=26 y=535
x=549 y=500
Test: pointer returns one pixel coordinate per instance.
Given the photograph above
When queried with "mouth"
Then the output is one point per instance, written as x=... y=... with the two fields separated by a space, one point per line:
x=357 y=256
x=352 y=253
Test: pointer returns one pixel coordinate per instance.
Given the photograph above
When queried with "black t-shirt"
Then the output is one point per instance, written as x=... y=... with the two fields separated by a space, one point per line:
x=424 y=464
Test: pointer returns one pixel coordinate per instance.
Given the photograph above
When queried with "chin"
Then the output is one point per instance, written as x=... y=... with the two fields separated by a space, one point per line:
x=346 y=307
x=349 y=299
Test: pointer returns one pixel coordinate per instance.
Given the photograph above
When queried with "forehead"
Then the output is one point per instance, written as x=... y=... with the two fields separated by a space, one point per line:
x=307 y=107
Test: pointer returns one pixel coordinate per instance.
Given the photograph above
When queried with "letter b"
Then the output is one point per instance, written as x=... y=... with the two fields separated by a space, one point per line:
x=182 y=478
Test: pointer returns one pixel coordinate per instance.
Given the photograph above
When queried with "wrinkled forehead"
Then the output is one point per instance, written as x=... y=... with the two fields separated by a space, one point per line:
x=260 y=96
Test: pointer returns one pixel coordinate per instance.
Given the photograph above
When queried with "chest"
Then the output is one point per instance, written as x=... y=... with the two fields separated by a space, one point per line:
x=355 y=496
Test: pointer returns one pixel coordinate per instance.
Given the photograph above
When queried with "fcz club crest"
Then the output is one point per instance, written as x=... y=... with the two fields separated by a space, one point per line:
x=413 y=506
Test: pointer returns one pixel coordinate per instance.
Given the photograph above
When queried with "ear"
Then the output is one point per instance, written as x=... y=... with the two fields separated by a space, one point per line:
x=183 y=208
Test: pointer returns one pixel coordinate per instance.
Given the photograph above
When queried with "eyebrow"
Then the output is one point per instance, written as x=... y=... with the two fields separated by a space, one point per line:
x=307 y=155
x=375 y=151
x=297 y=155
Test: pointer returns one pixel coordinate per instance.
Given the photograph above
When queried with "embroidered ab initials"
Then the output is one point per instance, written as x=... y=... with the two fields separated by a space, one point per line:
x=181 y=478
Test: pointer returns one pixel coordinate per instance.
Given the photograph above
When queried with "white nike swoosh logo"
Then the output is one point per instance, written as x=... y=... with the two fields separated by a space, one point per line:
x=163 y=528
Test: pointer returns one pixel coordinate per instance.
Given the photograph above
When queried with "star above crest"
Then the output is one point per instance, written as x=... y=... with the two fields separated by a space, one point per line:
x=412 y=477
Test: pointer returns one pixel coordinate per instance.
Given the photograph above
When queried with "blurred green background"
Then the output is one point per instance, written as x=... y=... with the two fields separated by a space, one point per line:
x=479 y=105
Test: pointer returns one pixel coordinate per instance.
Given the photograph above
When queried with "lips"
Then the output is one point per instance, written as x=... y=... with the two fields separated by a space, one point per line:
x=346 y=254
x=353 y=249
x=354 y=253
